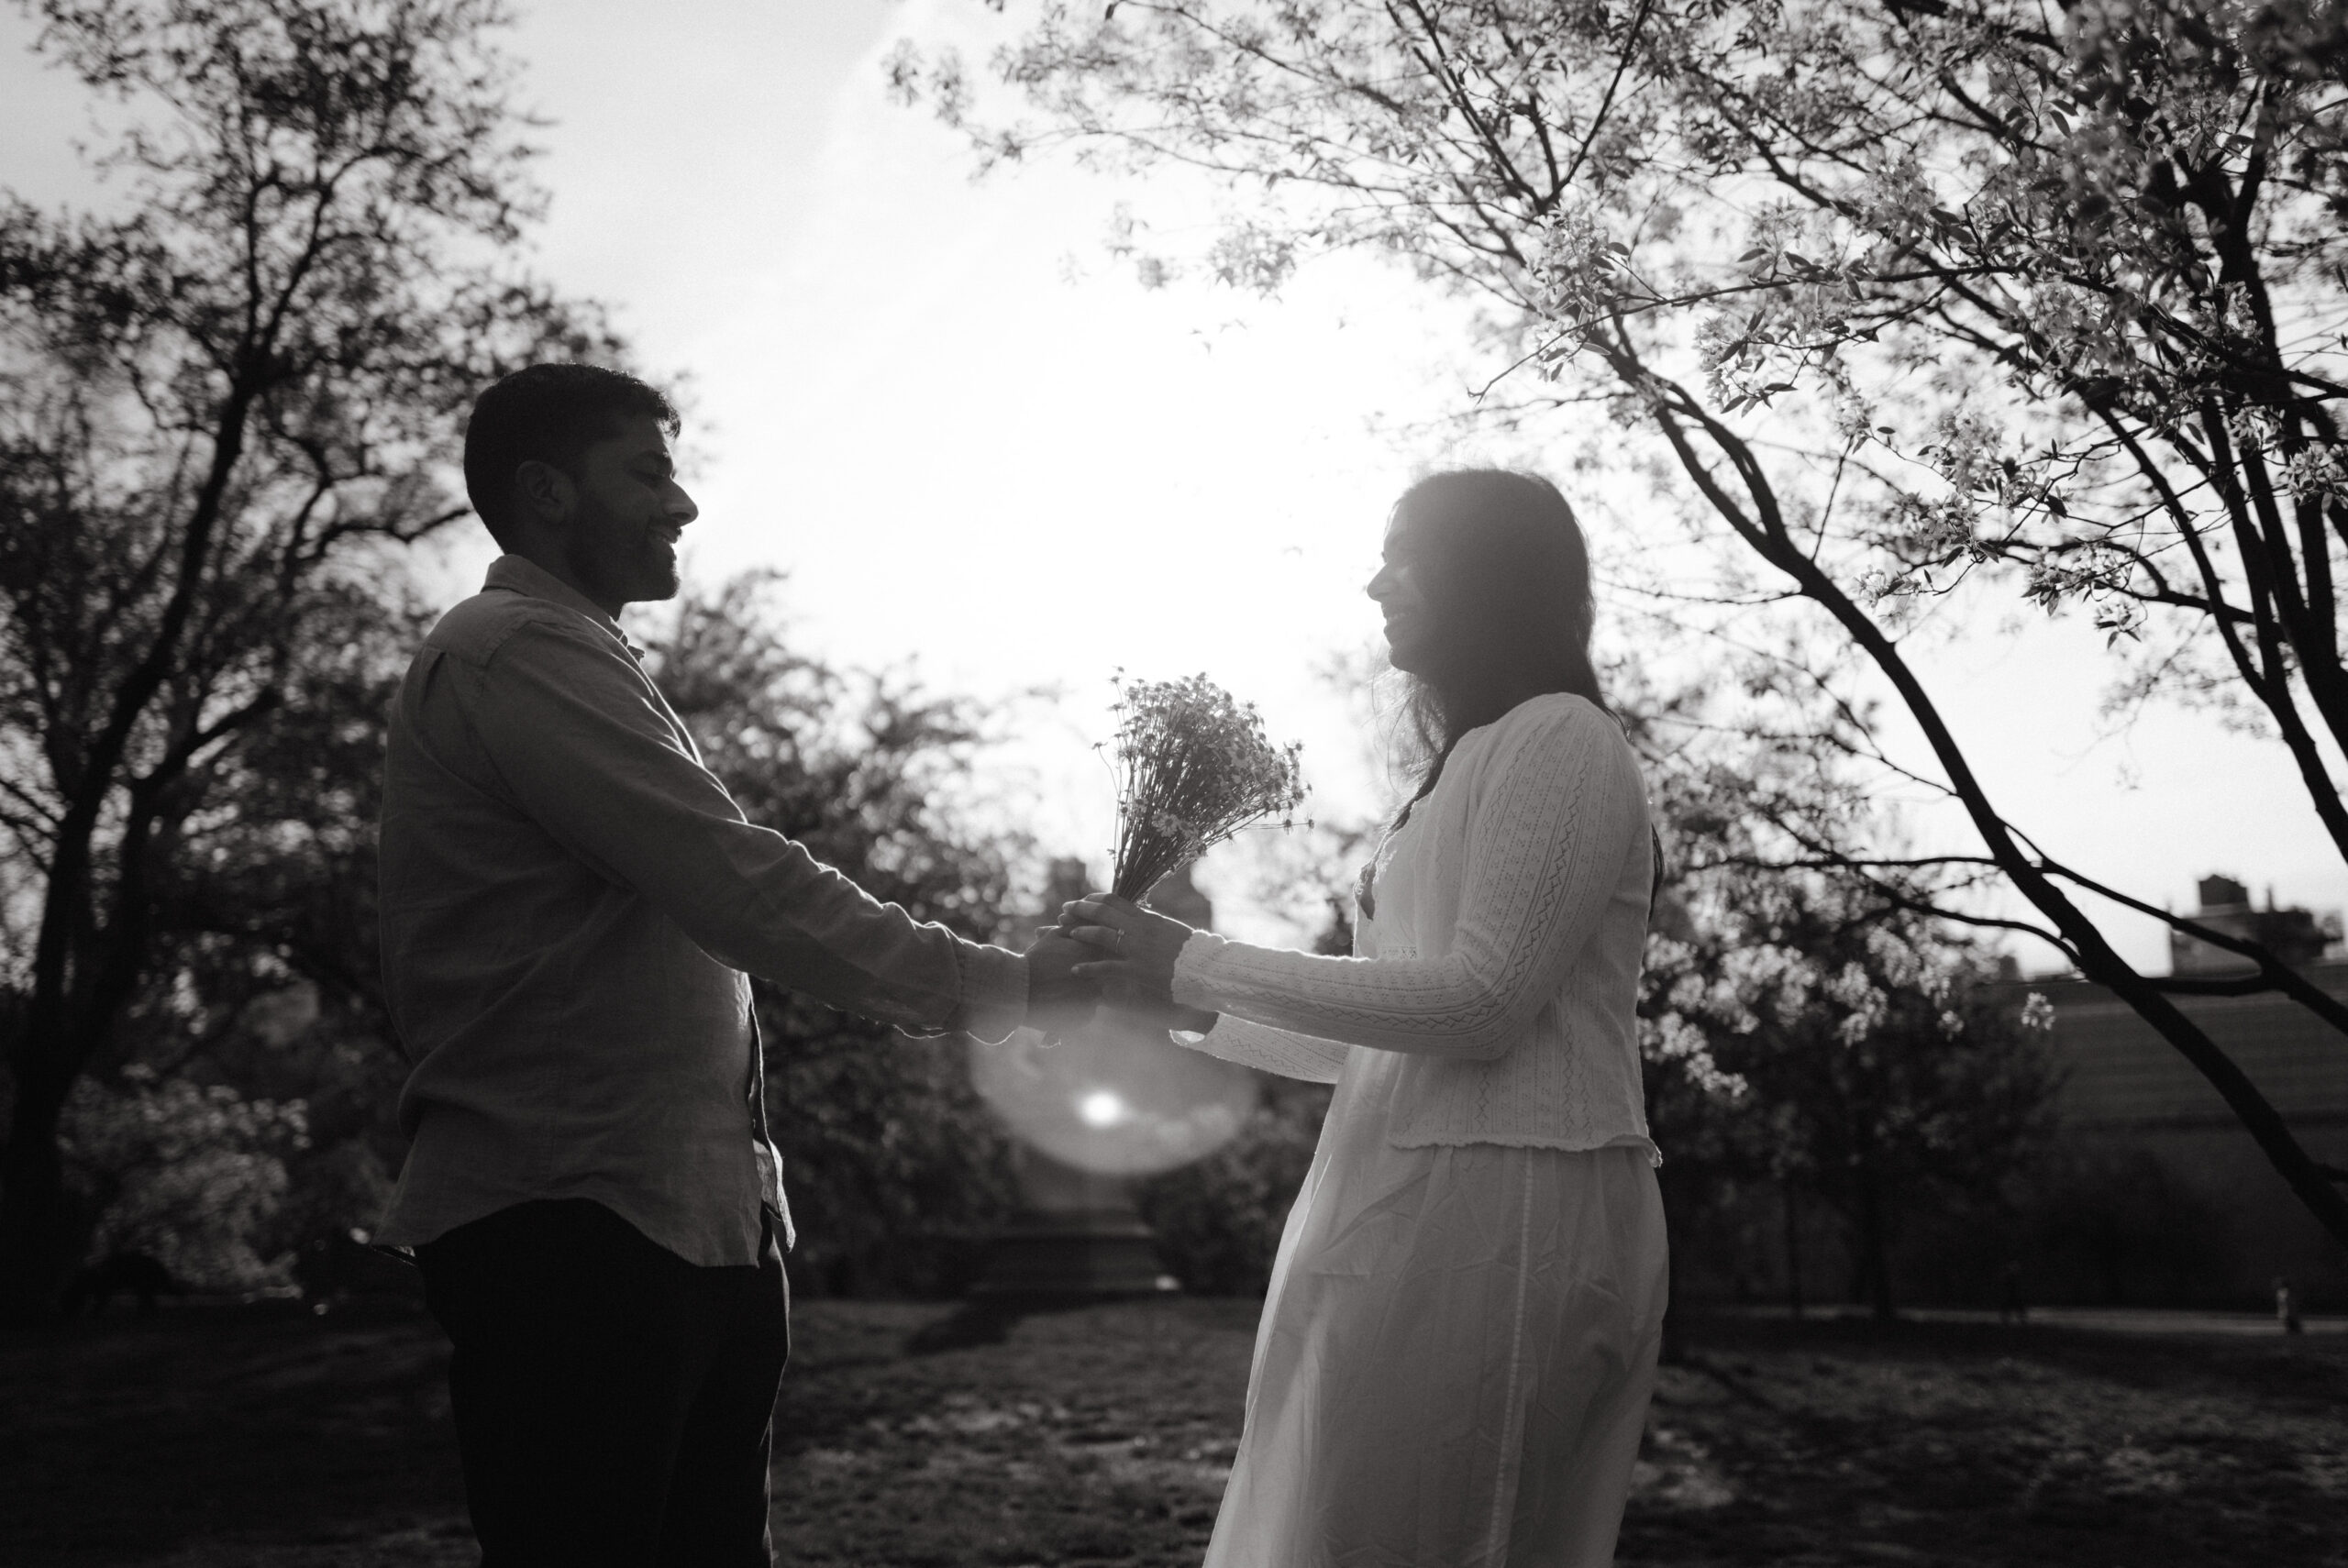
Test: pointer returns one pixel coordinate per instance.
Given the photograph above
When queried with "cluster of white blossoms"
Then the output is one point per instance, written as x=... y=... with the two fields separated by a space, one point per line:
x=1193 y=767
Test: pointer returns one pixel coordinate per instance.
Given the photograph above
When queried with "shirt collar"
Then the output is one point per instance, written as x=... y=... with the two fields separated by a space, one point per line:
x=520 y=574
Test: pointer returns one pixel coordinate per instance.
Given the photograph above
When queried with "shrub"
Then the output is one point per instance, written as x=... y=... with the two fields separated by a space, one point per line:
x=1218 y=1221
x=190 y=1175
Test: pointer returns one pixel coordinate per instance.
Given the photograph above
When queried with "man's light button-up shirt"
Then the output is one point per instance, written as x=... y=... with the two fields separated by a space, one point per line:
x=571 y=905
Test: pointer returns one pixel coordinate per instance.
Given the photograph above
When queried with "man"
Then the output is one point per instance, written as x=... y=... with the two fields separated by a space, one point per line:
x=570 y=906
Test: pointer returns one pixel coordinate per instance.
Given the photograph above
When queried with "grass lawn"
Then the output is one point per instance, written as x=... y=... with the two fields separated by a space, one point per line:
x=262 y=1436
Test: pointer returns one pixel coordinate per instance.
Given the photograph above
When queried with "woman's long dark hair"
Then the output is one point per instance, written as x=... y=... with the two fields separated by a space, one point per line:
x=1500 y=558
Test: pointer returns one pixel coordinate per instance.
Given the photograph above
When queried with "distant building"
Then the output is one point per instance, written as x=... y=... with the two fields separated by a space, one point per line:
x=1067 y=879
x=2297 y=936
x=2176 y=1204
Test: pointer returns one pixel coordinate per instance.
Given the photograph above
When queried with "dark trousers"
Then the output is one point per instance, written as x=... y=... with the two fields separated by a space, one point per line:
x=615 y=1403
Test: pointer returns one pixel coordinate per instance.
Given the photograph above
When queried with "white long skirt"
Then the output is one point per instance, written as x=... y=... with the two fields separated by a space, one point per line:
x=1454 y=1360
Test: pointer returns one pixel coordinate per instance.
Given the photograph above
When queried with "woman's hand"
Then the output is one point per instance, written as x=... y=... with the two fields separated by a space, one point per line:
x=1139 y=947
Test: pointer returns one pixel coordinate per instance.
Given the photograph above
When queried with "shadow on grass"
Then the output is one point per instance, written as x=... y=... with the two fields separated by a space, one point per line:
x=912 y=1433
x=989 y=1320
x=125 y=1440
x=1851 y=1442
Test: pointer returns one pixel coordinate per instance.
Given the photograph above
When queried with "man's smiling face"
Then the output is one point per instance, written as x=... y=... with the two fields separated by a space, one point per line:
x=627 y=512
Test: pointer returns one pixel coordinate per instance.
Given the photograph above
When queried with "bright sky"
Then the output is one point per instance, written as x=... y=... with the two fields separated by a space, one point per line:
x=969 y=458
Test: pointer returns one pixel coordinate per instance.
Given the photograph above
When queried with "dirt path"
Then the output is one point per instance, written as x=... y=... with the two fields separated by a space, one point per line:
x=266 y=1438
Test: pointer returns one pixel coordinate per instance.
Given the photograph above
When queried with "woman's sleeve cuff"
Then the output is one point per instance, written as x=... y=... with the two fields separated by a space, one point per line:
x=1189 y=988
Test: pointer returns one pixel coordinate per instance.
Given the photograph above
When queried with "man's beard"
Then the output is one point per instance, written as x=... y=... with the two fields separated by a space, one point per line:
x=635 y=564
x=661 y=574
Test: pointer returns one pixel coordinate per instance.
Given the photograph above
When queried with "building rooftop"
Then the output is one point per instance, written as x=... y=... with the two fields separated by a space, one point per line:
x=2121 y=1072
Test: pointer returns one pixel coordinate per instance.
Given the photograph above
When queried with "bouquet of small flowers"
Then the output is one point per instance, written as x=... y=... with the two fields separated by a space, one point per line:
x=1192 y=768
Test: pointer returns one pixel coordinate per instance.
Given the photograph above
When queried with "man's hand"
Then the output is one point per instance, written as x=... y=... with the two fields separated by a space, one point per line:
x=1059 y=1001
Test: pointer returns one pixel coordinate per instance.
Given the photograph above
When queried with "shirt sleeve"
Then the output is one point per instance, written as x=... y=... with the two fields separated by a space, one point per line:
x=1562 y=806
x=590 y=752
x=1281 y=1051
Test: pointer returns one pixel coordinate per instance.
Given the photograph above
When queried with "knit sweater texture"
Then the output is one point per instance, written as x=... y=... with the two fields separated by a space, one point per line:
x=1500 y=952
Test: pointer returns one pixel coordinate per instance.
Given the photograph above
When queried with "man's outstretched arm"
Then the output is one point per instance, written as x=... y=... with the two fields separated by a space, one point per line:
x=586 y=746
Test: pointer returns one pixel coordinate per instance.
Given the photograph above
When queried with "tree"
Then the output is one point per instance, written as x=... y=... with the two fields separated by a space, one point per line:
x=225 y=413
x=1877 y=1071
x=261 y=988
x=1798 y=243
x=1809 y=1041
x=887 y=1143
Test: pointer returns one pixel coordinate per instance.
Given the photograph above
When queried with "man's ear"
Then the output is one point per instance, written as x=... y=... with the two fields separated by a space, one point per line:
x=546 y=493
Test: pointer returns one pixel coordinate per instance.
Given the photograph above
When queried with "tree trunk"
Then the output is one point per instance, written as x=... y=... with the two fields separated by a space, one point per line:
x=1793 y=1251
x=1875 y=1253
x=38 y=1239
x=80 y=992
x=83 y=973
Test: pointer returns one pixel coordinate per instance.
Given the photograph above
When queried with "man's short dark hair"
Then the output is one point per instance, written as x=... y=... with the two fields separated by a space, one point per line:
x=547 y=414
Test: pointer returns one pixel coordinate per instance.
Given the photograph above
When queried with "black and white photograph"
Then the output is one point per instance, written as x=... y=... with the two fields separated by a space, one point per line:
x=1173 y=783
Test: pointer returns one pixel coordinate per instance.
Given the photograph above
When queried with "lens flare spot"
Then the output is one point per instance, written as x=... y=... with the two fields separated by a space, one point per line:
x=1111 y=1101
x=1102 y=1107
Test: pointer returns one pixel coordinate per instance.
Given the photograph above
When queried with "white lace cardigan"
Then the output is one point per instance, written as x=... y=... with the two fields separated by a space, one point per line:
x=1502 y=958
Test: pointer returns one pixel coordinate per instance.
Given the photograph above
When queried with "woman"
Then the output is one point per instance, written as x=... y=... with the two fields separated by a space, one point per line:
x=1456 y=1356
